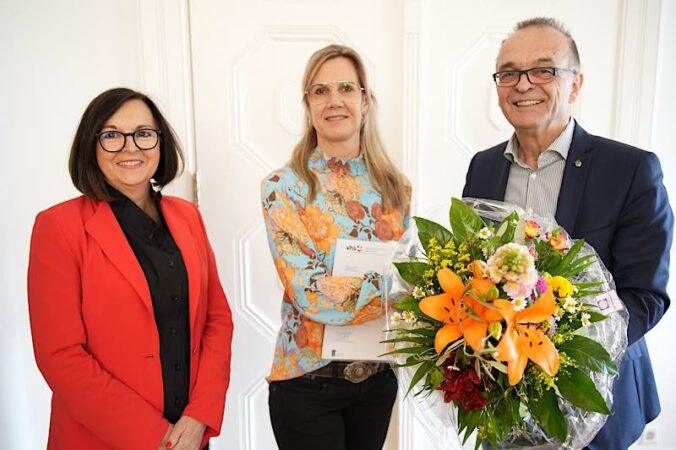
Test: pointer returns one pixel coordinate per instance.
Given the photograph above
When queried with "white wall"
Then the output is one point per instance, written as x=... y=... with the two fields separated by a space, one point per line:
x=54 y=58
x=661 y=338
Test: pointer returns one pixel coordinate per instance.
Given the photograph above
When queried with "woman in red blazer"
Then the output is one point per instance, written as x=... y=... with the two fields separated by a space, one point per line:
x=131 y=328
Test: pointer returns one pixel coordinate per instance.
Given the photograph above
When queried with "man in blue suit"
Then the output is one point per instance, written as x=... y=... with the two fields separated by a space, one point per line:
x=609 y=193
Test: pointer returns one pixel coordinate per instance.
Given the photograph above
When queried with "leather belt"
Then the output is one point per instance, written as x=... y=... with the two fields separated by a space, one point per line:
x=353 y=371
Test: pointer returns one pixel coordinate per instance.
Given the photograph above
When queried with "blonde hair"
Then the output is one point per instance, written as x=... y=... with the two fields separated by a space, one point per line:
x=387 y=179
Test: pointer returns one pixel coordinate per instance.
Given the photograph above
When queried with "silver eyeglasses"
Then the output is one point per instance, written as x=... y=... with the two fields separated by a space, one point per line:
x=319 y=93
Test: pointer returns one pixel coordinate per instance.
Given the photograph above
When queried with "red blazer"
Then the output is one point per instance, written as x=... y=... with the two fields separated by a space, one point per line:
x=94 y=331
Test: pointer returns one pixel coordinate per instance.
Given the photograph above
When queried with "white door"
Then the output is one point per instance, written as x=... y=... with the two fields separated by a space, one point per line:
x=430 y=62
x=459 y=116
x=248 y=61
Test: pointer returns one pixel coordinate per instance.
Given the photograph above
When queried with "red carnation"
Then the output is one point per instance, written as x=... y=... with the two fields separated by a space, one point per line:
x=465 y=387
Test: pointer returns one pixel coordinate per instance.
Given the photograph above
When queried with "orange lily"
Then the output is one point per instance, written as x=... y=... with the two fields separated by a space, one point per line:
x=523 y=341
x=478 y=268
x=452 y=307
x=474 y=315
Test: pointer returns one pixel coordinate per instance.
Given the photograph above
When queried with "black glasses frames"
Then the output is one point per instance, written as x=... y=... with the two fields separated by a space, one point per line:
x=114 y=141
x=534 y=75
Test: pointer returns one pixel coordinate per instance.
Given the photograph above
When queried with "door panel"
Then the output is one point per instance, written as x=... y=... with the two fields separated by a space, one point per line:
x=248 y=62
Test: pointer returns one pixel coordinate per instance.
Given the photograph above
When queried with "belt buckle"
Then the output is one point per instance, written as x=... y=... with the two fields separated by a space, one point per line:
x=358 y=371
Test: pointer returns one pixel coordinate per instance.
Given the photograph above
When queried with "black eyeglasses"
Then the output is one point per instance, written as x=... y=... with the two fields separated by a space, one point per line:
x=114 y=141
x=535 y=75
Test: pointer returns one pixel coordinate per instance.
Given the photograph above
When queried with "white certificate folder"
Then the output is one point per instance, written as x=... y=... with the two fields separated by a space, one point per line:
x=354 y=258
x=355 y=342
x=358 y=342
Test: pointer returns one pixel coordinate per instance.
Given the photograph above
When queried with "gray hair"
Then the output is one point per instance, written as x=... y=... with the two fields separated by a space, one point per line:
x=556 y=25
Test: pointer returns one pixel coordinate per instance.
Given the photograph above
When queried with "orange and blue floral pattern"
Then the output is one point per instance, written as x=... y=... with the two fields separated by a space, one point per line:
x=302 y=239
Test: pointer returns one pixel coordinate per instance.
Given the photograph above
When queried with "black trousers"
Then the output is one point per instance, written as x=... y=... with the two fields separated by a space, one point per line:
x=332 y=413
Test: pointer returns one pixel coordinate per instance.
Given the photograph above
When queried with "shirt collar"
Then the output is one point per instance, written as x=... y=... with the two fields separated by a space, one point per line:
x=133 y=218
x=354 y=166
x=561 y=144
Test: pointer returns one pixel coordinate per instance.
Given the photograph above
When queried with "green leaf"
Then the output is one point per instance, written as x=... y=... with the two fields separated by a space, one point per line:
x=408 y=304
x=434 y=378
x=588 y=285
x=596 y=316
x=491 y=438
x=430 y=332
x=576 y=387
x=468 y=421
x=568 y=258
x=577 y=267
x=410 y=361
x=507 y=228
x=419 y=374
x=583 y=259
x=589 y=354
x=582 y=293
x=412 y=272
x=548 y=263
x=428 y=229
x=414 y=340
x=507 y=413
x=545 y=409
x=464 y=221
x=407 y=350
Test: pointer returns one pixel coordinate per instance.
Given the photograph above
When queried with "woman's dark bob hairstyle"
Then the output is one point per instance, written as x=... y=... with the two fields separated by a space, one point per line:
x=82 y=165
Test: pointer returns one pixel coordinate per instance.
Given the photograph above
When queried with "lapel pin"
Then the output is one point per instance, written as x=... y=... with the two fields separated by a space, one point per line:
x=578 y=163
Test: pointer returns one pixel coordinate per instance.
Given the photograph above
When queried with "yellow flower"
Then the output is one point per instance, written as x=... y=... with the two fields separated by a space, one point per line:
x=532 y=228
x=560 y=285
x=558 y=240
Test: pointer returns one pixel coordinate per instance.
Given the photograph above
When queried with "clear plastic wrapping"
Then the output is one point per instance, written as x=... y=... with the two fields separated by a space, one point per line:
x=439 y=418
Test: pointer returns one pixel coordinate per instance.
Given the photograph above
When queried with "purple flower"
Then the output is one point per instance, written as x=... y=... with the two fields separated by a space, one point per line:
x=541 y=285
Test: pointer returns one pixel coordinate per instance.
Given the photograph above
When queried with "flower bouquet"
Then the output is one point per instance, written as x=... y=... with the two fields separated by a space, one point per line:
x=500 y=319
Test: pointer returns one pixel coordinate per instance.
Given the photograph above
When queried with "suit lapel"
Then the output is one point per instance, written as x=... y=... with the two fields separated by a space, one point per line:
x=501 y=175
x=574 y=178
x=180 y=231
x=489 y=179
x=106 y=231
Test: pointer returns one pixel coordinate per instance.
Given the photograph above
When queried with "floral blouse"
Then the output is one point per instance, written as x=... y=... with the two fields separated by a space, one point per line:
x=302 y=239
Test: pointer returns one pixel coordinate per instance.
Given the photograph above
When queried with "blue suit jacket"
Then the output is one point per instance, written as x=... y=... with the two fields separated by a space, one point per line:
x=616 y=201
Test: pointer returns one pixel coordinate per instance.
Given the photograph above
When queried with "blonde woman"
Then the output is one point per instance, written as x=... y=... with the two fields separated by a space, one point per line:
x=340 y=183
